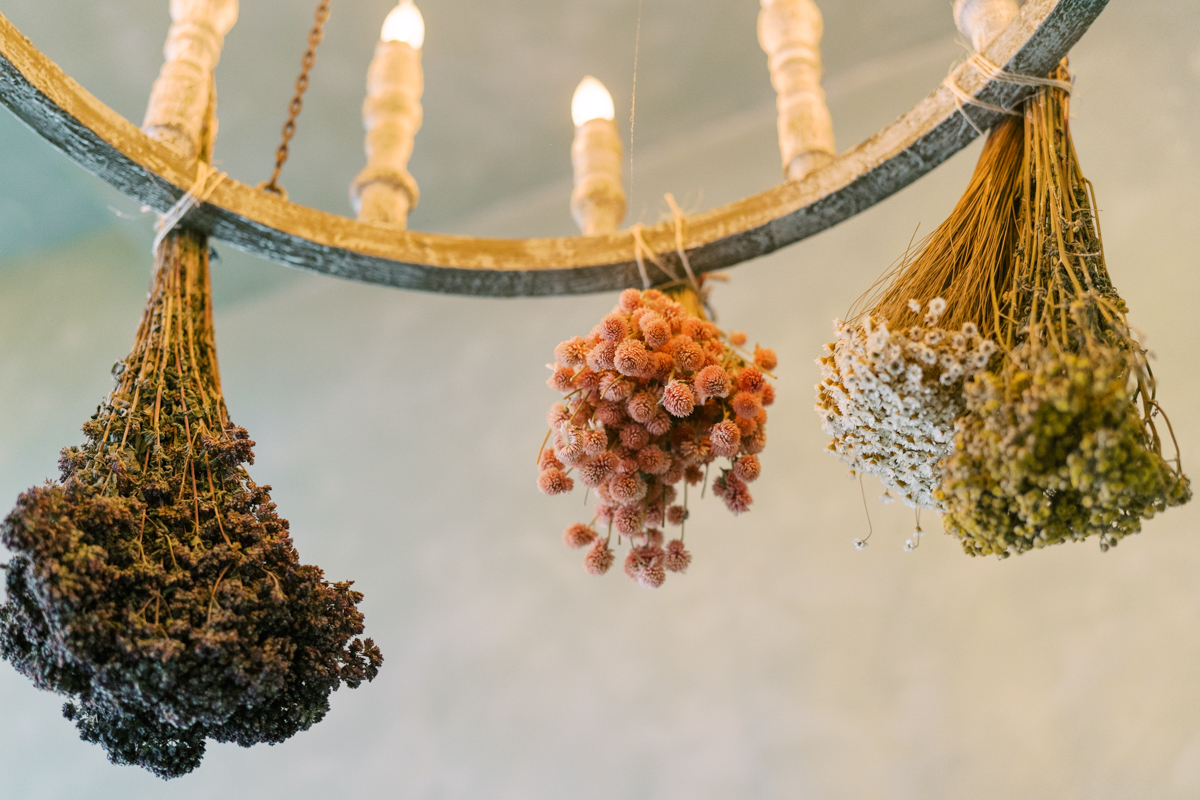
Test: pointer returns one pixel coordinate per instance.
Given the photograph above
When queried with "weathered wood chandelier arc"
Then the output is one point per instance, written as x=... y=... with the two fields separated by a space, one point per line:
x=102 y=141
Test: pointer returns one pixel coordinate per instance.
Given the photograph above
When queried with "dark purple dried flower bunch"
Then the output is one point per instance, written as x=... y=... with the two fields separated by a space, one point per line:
x=651 y=397
x=154 y=584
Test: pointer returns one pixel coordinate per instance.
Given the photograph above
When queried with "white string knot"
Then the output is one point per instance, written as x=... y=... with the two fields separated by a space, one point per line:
x=980 y=63
x=642 y=251
x=683 y=259
x=207 y=179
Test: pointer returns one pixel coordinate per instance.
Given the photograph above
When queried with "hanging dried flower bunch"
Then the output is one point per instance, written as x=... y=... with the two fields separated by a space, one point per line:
x=892 y=381
x=651 y=397
x=1031 y=419
x=1063 y=439
x=890 y=399
x=154 y=584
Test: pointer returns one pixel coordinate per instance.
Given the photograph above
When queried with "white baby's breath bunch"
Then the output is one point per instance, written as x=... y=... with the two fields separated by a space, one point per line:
x=889 y=398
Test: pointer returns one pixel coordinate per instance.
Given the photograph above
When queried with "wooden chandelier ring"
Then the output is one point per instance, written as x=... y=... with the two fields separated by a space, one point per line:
x=103 y=142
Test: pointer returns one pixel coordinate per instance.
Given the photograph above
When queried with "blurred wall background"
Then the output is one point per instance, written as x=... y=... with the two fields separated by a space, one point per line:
x=399 y=429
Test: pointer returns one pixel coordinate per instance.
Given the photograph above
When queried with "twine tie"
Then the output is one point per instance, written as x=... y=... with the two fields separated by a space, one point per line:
x=207 y=180
x=981 y=64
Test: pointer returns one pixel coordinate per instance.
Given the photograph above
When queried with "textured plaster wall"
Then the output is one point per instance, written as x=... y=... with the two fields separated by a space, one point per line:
x=399 y=432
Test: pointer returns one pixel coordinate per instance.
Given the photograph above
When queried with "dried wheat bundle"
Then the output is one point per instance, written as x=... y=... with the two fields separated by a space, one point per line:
x=1063 y=439
x=651 y=397
x=154 y=584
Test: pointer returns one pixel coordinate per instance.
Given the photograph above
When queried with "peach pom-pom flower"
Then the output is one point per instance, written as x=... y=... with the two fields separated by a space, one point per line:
x=765 y=358
x=678 y=399
x=599 y=558
x=572 y=352
x=712 y=381
x=677 y=558
x=746 y=404
x=579 y=535
x=642 y=407
x=747 y=468
x=651 y=397
x=555 y=481
x=726 y=438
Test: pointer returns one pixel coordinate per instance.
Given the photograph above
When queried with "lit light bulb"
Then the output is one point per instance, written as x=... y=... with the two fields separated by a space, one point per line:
x=591 y=101
x=404 y=24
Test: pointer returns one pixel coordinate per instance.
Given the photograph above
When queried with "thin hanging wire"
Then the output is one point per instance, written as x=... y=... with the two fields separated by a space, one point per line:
x=637 y=45
x=320 y=17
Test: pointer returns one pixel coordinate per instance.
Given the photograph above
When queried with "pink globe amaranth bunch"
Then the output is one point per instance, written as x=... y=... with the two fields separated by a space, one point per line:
x=650 y=398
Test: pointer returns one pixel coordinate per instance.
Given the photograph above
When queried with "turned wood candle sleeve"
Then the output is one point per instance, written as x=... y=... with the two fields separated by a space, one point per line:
x=982 y=20
x=384 y=192
x=180 y=95
x=790 y=34
x=598 y=201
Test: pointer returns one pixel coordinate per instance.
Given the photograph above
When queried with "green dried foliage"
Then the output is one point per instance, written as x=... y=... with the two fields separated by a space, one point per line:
x=1061 y=440
x=154 y=584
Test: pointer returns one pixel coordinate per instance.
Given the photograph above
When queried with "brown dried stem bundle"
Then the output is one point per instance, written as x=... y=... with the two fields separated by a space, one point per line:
x=155 y=585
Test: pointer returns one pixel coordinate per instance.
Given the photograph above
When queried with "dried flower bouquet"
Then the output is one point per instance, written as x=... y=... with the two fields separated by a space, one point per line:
x=1063 y=438
x=154 y=584
x=651 y=397
x=1022 y=406
x=892 y=381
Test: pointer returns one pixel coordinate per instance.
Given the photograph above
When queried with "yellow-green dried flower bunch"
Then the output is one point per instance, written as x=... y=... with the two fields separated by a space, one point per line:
x=1051 y=450
x=1062 y=440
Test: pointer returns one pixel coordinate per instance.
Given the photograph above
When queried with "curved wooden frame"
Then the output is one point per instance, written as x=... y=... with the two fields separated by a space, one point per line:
x=106 y=144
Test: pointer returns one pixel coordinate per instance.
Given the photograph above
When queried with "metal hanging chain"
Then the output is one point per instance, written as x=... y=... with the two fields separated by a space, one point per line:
x=289 y=128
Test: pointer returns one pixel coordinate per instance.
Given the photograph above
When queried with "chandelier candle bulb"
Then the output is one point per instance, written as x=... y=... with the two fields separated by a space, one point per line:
x=790 y=34
x=404 y=23
x=384 y=192
x=598 y=201
x=982 y=20
x=180 y=95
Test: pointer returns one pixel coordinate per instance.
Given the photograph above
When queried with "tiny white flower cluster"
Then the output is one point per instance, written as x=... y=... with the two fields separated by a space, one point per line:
x=889 y=398
x=914 y=541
